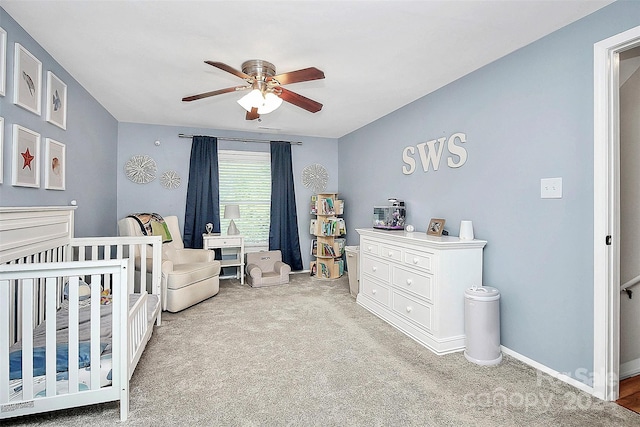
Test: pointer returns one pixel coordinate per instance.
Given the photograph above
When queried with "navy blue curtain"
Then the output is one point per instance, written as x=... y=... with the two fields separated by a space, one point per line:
x=203 y=191
x=283 y=230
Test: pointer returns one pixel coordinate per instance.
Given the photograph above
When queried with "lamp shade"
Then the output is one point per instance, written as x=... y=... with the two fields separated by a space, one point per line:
x=231 y=212
x=250 y=100
x=264 y=103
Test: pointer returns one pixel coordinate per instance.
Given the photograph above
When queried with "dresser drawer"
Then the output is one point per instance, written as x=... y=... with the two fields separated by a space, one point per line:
x=422 y=260
x=223 y=242
x=391 y=252
x=412 y=281
x=370 y=247
x=413 y=310
x=376 y=268
x=375 y=291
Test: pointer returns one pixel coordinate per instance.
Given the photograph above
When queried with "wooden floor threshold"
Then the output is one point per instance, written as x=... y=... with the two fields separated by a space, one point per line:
x=630 y=394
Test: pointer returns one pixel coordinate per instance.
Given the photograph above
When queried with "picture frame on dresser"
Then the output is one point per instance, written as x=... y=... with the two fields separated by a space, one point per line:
x=436 y=226
x=55 y=155
x=3 y=61
x=56 y=101
x=25 y=158
x=27 y=80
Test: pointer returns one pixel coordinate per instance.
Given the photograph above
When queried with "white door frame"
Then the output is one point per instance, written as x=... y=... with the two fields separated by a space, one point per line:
x=606 y=212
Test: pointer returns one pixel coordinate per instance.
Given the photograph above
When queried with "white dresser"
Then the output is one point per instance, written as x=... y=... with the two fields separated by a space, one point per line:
x=416 y=283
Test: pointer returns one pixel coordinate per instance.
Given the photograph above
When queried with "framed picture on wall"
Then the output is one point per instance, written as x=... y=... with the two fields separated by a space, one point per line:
x=55 y=168
x=56 y=101
x=436 y=225
x=3 y=62
x=27 y=80
x=1 y=149
x=26 y=157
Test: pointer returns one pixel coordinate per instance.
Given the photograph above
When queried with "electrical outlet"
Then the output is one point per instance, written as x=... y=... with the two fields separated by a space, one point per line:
x=551 y=188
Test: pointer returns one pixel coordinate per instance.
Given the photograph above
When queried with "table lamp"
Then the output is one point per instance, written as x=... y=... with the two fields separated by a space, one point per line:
x=232 y=212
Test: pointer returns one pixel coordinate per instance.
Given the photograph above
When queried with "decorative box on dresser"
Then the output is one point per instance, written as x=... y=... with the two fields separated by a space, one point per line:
x=416 y=283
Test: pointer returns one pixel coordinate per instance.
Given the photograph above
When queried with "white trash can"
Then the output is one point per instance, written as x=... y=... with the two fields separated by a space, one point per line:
x=482 y=325
x=353 y=261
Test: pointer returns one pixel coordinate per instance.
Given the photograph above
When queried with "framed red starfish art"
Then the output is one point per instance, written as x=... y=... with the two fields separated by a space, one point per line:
x=26 y=157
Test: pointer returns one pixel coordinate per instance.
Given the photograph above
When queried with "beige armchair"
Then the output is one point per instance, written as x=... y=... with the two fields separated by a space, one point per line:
x=189 y=276
x=266 y=268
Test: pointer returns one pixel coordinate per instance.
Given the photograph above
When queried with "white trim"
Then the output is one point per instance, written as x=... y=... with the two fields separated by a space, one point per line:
x=547 y=370
x=605 y=213
x=630 y=369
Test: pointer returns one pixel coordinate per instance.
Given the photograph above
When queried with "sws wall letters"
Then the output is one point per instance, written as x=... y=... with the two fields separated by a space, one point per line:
x=430 y=152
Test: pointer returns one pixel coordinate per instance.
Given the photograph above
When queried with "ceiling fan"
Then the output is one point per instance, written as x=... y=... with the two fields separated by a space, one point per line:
x=267 y=92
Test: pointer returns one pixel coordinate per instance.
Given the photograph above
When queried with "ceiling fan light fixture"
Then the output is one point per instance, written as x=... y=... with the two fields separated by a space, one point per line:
x=270 y=103
x=264 y=103
x=251 y=100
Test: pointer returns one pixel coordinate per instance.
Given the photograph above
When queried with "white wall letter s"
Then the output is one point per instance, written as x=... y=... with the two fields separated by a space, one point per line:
x=410 y=161
x=457 y=150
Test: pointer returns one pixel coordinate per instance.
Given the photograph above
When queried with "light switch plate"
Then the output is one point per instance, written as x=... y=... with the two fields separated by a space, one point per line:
x=551 y=188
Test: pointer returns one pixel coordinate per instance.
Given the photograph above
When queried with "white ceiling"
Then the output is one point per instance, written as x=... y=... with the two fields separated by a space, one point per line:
x=140 y=58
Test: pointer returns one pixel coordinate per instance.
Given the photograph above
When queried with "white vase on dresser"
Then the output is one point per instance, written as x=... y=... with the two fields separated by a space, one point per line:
x=416 y=283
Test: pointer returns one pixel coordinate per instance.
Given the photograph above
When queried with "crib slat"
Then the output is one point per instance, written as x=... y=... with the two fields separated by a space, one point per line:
x=4 y=339
x=51 y=304
x=74 y=321
x=27 y=338
x=95 y=332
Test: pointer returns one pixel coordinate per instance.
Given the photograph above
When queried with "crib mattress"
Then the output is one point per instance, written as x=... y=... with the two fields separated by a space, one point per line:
x=62 y=333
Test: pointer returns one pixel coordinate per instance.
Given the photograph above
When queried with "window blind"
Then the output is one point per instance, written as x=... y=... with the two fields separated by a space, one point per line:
x=245 y=180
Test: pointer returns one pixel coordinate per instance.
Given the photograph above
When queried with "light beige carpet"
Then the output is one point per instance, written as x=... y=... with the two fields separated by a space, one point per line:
x=305 y=354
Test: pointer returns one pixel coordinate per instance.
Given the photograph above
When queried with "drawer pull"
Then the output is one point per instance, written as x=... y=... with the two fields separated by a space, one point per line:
x=374 y=291
x=369 y=248
x=390 y=254
x=409 y=281
x=409 y=308
x=374 y=268
x=416 y=260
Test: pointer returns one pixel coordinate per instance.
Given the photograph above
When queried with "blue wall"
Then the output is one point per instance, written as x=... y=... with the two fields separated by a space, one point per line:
x=90 y=139
x=526 y=116
x=173 y=153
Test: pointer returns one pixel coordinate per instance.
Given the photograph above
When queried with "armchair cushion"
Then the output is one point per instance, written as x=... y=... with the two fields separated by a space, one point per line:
x=266 y=268
x=189 y=276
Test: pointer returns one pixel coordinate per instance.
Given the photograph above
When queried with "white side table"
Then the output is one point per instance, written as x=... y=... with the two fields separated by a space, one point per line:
x=217 y=241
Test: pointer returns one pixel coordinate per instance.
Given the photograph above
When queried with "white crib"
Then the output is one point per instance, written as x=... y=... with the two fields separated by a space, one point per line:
x=38 y=256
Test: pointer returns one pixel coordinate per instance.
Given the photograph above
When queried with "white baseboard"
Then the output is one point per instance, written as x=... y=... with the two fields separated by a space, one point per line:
x=547 y=370
x=629 y=369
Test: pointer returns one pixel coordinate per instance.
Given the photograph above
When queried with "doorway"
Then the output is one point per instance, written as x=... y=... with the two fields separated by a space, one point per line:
x=607 y=212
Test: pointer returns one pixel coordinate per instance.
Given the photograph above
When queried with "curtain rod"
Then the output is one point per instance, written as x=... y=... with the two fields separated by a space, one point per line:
x=224 y=138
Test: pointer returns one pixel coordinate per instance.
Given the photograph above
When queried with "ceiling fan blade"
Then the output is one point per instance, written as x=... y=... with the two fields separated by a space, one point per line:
x=253 y=114
x=229 y=69
x=300 y=101
x=215 y=92
x=298 y=76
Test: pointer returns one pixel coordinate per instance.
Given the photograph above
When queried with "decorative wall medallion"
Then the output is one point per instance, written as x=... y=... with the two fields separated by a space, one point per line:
x=315 y=177
x=141 y=169
x=170 y=180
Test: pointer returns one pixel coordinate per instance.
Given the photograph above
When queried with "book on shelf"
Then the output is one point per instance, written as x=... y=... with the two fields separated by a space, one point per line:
x=328 y=206
x=314 y=247
x=324 y=271
x=314 y=205
x=340 y=263
x=327 y=250
x=313 y=267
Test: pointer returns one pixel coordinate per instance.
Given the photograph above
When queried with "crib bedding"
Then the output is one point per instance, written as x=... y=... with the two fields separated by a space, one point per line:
x=84 y=354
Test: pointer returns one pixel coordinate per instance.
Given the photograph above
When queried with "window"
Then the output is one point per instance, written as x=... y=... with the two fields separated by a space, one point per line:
x=245 y=180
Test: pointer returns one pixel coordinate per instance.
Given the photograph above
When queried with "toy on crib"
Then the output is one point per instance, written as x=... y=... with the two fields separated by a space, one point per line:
x=105 y=297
